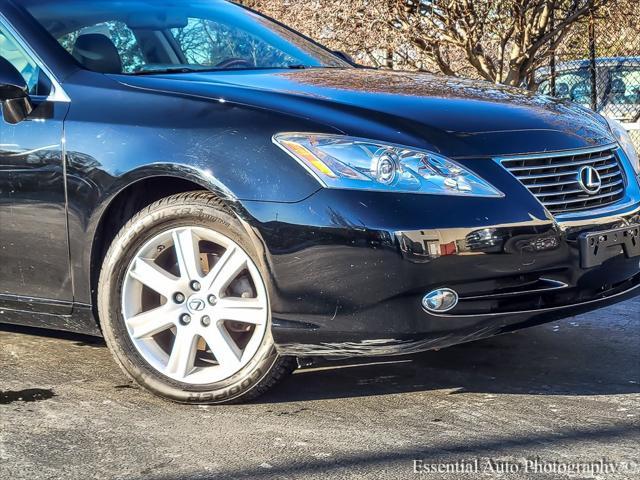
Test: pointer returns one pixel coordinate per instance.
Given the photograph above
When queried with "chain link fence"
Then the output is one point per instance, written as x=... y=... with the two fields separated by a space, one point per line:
x=598 y=65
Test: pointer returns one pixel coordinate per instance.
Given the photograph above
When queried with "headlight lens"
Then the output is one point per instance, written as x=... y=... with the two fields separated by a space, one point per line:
x=624 y=139
x=339 y=161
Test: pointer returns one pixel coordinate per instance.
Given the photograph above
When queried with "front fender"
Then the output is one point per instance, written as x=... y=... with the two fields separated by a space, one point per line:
x=137 y=135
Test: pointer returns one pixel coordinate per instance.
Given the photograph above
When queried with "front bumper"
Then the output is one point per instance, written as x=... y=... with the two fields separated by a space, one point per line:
x=349 y=269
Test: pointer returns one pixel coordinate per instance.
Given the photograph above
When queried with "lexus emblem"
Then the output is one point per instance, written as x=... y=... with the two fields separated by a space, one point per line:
x=196 y=305
x=589 y=180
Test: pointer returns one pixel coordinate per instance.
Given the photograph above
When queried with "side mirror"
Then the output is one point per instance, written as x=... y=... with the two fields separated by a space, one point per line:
x=344 y=56
x=14 y=93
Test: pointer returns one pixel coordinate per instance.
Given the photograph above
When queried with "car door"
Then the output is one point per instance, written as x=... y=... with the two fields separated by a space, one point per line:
x=34 y=248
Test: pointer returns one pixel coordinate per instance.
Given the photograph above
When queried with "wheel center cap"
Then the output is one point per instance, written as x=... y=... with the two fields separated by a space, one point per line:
x=589 y=180
x=196 y=304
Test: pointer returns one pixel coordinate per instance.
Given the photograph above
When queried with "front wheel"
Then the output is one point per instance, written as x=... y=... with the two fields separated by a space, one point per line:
x=184 y=306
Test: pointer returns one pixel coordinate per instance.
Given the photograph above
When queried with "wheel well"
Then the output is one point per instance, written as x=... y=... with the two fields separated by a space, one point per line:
x=126 y=204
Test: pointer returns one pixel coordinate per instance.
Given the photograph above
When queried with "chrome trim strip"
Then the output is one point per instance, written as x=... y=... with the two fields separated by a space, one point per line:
x=558 y=174
x=604 y=176
x=582 y=212
x=543 y=310
x=625 y=207
x=571 y=192
x=554 y=285
x=560 y=153
x=557 y=165
x=552 y=184
x=603 y=217
x=542 y=175
x=612 y=175
x=608 y=166
x=580 y=200
x=57 y=92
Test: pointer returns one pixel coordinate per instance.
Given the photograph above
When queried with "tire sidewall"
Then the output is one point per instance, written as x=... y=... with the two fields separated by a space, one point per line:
x=140 y=230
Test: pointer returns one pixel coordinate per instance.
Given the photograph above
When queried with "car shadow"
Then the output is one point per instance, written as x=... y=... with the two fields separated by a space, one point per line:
x=76 y=339
x=556 y=359
x=550 y=360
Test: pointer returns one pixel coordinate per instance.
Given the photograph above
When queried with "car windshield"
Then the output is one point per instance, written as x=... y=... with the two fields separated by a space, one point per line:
x=174 y=36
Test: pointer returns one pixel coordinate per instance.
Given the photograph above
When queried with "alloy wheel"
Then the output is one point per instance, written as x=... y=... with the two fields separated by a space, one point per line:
x=195 y=305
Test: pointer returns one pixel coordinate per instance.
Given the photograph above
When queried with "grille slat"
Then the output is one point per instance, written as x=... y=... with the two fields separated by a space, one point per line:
x=600 y=168
x=578 y=200
x=550 y=184
x=560 y=165
x=608 y=166
x=610 y=175
x=554 y=178
x=577 y=190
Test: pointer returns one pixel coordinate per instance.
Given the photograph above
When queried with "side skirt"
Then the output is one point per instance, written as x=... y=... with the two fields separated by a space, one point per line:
x=81 y=320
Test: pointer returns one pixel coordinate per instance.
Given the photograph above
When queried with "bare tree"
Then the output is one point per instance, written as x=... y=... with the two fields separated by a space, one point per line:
x=357 y=27
x=504 y=41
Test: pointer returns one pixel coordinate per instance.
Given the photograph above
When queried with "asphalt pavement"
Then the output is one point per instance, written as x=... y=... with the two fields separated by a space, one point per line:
x=556 y=401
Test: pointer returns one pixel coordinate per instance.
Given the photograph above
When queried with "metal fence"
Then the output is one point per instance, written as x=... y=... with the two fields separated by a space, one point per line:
x=598 y=65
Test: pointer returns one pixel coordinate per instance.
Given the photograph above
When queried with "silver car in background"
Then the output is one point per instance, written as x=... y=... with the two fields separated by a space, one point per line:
x=617 y=92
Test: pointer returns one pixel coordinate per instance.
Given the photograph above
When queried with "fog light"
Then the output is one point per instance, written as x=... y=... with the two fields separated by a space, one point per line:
x=440 y=301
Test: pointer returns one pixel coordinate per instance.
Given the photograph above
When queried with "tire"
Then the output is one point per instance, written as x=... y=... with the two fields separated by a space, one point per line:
x=152 y=357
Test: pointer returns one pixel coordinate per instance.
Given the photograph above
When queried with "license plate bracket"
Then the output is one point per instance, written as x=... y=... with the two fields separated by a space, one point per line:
x=596 y=248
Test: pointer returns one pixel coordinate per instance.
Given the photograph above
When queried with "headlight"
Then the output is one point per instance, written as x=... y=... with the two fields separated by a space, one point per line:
x=339 y=161
x=624 y=139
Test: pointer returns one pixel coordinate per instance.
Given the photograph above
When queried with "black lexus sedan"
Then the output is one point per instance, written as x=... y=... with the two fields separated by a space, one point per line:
x=218 y=195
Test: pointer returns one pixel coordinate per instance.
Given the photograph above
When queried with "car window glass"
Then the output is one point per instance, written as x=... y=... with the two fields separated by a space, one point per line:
x=37 y=81
x=621 y=99
x=574 y=86
x=210 y=43
x=625 y=86
x=120 y=35
x=170 y=37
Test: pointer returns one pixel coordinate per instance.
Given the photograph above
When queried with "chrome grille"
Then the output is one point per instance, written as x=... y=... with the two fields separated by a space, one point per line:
x=554 y=178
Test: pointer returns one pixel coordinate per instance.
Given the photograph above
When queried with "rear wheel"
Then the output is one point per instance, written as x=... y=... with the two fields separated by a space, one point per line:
x=184 y=306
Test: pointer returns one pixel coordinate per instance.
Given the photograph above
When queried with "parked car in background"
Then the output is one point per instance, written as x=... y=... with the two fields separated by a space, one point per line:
x=218 y=195
x=617 y=88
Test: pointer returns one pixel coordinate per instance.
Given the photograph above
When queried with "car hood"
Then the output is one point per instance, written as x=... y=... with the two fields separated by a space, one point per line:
x=453 y=116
